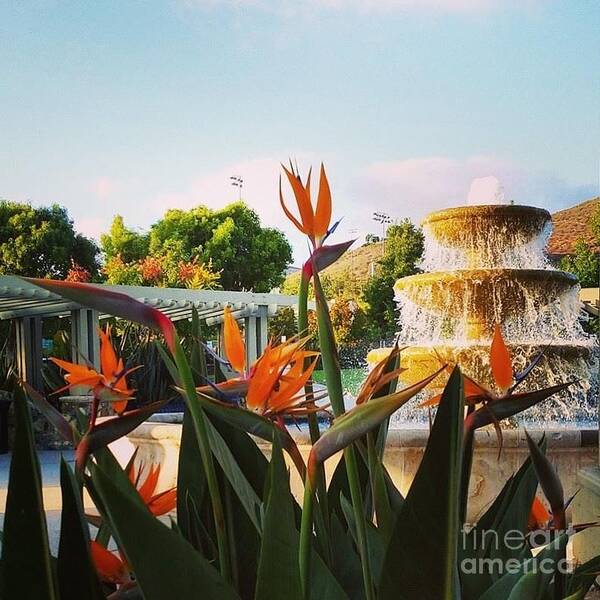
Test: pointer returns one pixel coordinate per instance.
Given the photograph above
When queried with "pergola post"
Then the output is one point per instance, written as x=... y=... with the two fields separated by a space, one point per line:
x=85 y=341
x=250 y=333
x=262 y=333
x=29 y=350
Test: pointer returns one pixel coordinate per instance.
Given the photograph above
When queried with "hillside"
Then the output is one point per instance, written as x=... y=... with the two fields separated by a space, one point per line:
x=570 y=225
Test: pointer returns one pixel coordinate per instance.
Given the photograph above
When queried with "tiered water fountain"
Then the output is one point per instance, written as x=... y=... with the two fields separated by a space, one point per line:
x=485 y=264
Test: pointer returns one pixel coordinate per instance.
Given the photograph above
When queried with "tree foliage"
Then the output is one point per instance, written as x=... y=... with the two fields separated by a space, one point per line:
x=41 y=242
x=230 y=242
x=584 y=263
x=403 y=249
x=121 y=241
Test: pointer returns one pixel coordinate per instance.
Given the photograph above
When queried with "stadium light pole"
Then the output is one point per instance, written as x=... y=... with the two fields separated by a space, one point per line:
x=238 y=182
x=385 y=220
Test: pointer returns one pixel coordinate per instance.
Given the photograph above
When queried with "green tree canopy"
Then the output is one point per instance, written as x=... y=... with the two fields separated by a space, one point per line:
x=229 y=241
x=123 y=242
x=403 y=249
x=247 y=255
x=583 y=263
x=41 y=242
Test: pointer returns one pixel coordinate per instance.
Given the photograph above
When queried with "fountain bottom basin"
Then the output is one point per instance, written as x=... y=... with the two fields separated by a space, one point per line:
x=569 y=449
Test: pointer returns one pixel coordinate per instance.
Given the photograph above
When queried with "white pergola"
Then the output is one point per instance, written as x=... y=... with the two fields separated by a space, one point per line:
x=28 y=304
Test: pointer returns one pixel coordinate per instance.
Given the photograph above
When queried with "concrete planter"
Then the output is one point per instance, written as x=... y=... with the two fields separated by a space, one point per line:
x=570 y=451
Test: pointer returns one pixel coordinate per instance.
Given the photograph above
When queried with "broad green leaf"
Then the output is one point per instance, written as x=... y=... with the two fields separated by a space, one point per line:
x=504 y=586
x=113 y=303
x=507 y=515
x=583 y=576
x=420 y=562
x=549 y=481
x=345 y=561
x=165 y=564
x=112 y=429
x=54 y=417
x=553 y=490
x=504 y=408
x=278 y=573
x=352 y=425
x=376 y=541
x=254 y=424
x=191 y=482
x=26 y=563
x=246 y=494
x=77 y=577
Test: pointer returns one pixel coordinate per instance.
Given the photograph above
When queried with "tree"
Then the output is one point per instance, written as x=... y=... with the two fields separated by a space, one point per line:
x=584 y=264
x=403 y=249
x=247 y=255
x=41 y=242
x=124 y=242
x=283 y=323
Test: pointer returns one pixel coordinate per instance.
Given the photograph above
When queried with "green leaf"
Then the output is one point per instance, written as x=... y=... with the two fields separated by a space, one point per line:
x=112 y=429
x=508 y=514
x=191 y=482
x=278 y=573
x=165 y=564
x=113 y=303
x=553 y=490
x=248 y=497
x=420 y=562
x=254 y=424
x=504 y=586
x=548 y=478
x=361 y=419
x=583 y=576
x=76 y=573
x=26 y=562
x=504 y=408
x=376 y=541
x=54 y=417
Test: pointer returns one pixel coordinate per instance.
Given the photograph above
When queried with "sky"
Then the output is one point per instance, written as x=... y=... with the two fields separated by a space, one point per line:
x=136 y=107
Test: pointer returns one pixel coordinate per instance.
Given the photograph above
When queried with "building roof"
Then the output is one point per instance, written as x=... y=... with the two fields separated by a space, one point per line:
x=571 y=225
x=20 y=298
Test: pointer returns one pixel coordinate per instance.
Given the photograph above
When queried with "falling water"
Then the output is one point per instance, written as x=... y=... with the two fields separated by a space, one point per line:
x=487 y=264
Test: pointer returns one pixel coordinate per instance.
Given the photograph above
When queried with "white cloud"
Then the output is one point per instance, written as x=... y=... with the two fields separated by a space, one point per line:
x=290 y=8
x=402 y=188
x=416 y=186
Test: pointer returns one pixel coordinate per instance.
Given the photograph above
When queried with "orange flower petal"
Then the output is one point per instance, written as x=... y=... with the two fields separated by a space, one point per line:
x=287 y=394
x=235 y=349
x=539 y=515
x=146 y=489
x=500 y=361
x=323 y=211
x=108 y=356
x=110 y=567
x=289 y=215
x=303 y=201
x=163 y=503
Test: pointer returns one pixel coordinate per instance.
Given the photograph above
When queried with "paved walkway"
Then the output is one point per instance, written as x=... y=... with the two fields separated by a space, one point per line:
x=50 y=466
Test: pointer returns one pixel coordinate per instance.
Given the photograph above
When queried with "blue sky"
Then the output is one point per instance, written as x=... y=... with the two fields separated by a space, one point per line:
x=135 y=107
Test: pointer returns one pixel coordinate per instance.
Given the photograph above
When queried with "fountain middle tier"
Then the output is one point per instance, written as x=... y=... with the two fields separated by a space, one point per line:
x=466 y=304
x=560 y=362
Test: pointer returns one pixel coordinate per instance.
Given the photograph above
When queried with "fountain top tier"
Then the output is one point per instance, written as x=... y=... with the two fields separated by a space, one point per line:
x=487 y=236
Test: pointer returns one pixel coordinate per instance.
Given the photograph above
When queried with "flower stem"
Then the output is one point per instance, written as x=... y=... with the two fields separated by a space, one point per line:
x=331 y=367
x=305 y=546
